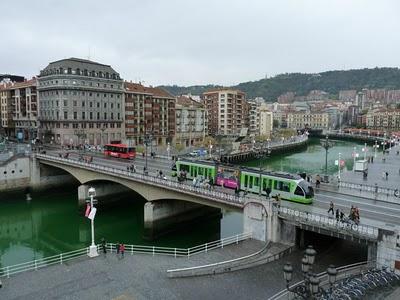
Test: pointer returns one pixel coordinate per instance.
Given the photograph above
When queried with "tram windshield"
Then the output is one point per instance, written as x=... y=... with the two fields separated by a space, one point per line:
x=307 y=188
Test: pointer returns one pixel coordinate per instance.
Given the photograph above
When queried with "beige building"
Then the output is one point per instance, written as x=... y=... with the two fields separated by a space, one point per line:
x=383 y=119
x=191 y=121
x=6 y=109
x=266 y=121
x=25 y=114
x=300 y=120
x=226 y=111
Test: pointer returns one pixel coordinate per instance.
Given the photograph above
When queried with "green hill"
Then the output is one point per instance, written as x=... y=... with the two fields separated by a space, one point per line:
x=300 y=83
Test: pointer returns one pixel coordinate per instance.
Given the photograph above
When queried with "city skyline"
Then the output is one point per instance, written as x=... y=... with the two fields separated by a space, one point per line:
x=179 y=42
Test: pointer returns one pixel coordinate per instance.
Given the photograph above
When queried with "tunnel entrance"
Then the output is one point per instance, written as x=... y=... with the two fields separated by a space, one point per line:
x=332 y=249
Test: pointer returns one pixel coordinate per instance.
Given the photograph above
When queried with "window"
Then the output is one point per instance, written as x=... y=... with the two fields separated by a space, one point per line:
x=83 y=103
x=91 y=116
x=65 y=103
x=112 y=116
x=112 y=105
x=75 y=103
x=105 y=105
x=65 y=115
x=105 y=116
x=98 y=116
x=98 y=104
x=83 y=115
x=75 y=115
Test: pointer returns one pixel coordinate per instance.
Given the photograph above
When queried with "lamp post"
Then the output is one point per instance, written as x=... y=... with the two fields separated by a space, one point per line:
x=310 y=287
x=93 y=248
x=326 y=144
x=376 y=146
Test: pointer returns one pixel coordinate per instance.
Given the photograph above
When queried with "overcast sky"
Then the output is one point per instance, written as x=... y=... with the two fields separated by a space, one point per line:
x=189 y=42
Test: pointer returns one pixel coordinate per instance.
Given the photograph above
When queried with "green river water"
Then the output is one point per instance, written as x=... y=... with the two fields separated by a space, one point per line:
x=51 y=223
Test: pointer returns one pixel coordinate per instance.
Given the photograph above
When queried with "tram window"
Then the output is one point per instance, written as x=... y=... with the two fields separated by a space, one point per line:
x=246 y=180
x=282 y=186
x=201 y=171
x=250 y=181
x=264 y=183
x=256 y=181
x=299 y=191
x=286 y=187
x=184 y=168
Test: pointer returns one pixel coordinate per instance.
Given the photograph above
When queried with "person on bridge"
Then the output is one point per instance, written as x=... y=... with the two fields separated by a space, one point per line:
x=337 y=215
x=122 y=249
x=331 y=206
x=386 y=175
x=103 y=245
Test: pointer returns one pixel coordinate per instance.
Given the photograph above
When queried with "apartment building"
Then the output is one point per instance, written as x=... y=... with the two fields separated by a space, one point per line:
x=266 y=121
x=226 y=111
x=25 y=109
x=6 y=110
x=383 y=119
x=80 y=101
x=191 y=121
x=149 y=112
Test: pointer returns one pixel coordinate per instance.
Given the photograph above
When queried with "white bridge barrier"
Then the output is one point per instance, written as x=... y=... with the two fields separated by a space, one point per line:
x=376 y=190
x=314 y=219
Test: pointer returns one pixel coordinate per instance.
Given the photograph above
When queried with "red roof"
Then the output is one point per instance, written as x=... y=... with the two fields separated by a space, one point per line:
x=141 y=89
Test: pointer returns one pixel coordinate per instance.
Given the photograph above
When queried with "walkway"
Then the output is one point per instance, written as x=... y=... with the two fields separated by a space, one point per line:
x=144 y=277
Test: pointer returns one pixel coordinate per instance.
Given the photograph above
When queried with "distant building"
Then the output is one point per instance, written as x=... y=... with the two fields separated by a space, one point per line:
x=80 y=101
x=6 y=109
x=6 y=78
x=149 y=112
x=25 y=113
x=300 y=120
x=191 y=121
x=266 y=121
x=347 y=95
x=226 y=110
x=287 y=97
x=383 y=119
x=352 y=113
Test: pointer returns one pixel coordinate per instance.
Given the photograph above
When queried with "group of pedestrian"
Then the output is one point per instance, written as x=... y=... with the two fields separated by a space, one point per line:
x=120 y=248
x=131 y=168
x=160 y=174
x=182 y=176
x=354 y=214
x=202 y=182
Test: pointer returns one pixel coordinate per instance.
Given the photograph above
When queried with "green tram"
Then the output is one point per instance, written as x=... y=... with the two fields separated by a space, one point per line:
x=290 y=186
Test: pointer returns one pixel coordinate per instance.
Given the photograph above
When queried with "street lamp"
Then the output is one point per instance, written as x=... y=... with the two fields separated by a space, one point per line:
x=326 y=144
x=93 y=248
x=310 y=287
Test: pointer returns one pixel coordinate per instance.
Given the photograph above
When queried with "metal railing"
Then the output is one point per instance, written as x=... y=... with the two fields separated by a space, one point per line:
x=370 y=188
x=42 y=262
x=210 y=194
x=153 y=250
x=322 y=221
x=343 y=272
x=181 y=252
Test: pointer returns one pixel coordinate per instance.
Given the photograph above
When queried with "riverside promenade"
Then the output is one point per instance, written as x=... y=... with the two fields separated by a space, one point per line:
x=141 y=276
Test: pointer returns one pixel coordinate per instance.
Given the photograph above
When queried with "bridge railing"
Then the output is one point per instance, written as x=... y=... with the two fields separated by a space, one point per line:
x=323 y=221
x=370 y=188
x=182 y=252
x=176 y=186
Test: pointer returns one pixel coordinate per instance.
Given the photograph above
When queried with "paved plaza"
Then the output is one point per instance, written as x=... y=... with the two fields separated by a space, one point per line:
x=142 y=276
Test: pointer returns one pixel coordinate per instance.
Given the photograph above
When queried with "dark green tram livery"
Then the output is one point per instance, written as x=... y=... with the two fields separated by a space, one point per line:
x=289 y=186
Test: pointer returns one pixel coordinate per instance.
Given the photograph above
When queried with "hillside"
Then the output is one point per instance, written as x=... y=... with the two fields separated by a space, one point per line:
x=331 y=82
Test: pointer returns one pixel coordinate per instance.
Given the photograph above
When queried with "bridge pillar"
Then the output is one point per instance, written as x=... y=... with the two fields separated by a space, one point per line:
x=261 y=218
x=103 y=190
x=388 y=250
x=35 y=172
x=162 y=216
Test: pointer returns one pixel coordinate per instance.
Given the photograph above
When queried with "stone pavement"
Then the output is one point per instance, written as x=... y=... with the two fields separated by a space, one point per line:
x=144 y=277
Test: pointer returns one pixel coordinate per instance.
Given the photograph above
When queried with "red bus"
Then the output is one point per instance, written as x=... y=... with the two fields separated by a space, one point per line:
x=120 y=151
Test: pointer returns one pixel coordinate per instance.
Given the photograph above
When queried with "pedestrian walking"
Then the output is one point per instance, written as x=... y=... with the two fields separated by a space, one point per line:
x=117 y=246
x=122 y=249
x=331 y=208
x=268 y=191
x=337 y=215
x=341 y=216
x=386 y=175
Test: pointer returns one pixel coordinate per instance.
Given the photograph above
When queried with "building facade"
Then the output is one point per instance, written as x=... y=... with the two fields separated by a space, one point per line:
x=266 y=121
x=80 y=101
x=191 y=121
x=6 y=110
x=383 y=119
x=150 y=113
x=25 y=114
x=226 y=111
x=300 y=120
